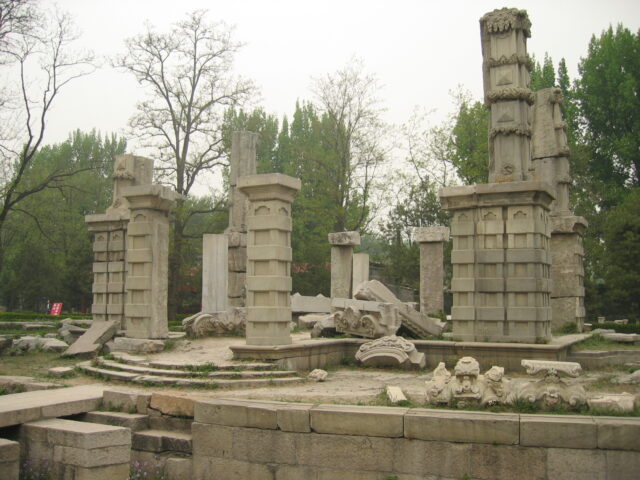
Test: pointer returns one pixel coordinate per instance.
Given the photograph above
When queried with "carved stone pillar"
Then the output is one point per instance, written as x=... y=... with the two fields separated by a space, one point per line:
x=269 y=256
x=147 y=260
x=342 y=244
x=432 y=240
x=215 y=266
x=360 y=270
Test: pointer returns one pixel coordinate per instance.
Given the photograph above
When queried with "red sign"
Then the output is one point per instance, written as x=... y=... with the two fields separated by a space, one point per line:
x=56 y=309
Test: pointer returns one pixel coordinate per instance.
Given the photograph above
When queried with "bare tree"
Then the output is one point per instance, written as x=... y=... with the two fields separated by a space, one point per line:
x=188 y=76
x=39 y=60
x=355 y=134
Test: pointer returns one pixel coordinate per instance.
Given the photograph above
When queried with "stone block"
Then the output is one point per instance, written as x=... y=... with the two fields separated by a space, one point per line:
x=110 y=472
x=264 y=446
x=294 y=417
x=60 y=371
x=162 y=441
x=354 y=420
x=623 y=402
x=472 y=427
x=490 y=462
x=9 y=451
x=570 y=464
x=178 y=468
x=617 y=433
x=344 y=238
x=395 y=394
x=622 y=465
x=432 y=234
x=441 y=459
x=215 y=254
x=95 y=457
x=81 y=435
x=137 y=345
x=172 y=404
x=205 y=468
x=212 y=440
x=308 y=304
x=237 y=413
x=237 y=283
x=132 y=421
x=560 y=431
x=127 y=400
x=90 y=343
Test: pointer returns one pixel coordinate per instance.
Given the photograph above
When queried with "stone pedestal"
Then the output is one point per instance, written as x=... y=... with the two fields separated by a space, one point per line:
x=147 y=260
x=567 y=271
x=242 y=163
x=432 y=240
x=342 y=244
x=269 y=256
x=501 y=260
x=215 y=266
x=360 y=270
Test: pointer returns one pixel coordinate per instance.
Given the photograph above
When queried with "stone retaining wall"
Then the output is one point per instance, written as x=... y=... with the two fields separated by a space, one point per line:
x=242 y=439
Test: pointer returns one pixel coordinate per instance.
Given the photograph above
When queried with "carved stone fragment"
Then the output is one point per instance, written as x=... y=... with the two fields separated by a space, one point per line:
x=390 y=351
x=366 y=319
x=552 y=390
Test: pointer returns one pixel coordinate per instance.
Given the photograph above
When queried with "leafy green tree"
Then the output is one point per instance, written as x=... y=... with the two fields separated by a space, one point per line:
x=469 y=138
x=543 y=76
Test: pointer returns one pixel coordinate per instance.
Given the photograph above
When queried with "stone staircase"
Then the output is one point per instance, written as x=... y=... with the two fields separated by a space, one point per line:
x=139 y=370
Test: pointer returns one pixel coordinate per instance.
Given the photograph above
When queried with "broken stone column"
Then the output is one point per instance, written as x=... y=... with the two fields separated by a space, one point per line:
x=432 y=240
x=501 y=231
x=342 y=244
x=242 y=163
x=147 y=260
x=109 y=232
x=269 y=256
x=214 y=272
x=550 y=158
x=360 y=269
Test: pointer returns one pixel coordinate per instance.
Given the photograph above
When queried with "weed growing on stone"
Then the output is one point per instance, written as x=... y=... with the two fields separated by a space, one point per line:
x=145 y=471
x=35 y=470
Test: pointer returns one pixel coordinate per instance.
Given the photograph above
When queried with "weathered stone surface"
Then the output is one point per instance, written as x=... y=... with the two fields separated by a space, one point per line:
x=172 y=404
x=9 y=459
x=307 y=304
x=137 y=345
x=552 y=390
x=214 y=272
x=318 y=375
x=366 y=319
x=395 y=394
x=417 y=322
x=230 y=322
x=132 y=421
x=324 y=328
x=360 y=271
x=391 y=351
x=81 y=435
x=237 y=413
x=623 y=402
x=354 y=420
x=308 y=321
x=46 y=344
x=60 y=371
x=431 y=241
x=562 y=431
x=631 y=378
x=70 y=333
x=91 y=342
x=344 y=238
x=618 y=433
x=127 y=400
x=162 y=441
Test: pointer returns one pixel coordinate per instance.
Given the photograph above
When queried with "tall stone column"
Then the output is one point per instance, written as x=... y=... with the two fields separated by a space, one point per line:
x=501 y=251
x=109 y=233
x=432 y=240
x=147 y=260
x=550 y=155
x=215 y=252
x=342 y=244
x=242 y=163
x=360 y=269
x=269 y=256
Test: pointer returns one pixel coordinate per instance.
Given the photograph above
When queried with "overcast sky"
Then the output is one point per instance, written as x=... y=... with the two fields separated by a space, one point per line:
x=419 y=49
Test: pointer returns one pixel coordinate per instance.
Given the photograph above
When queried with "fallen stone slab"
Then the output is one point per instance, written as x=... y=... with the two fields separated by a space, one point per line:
x=324 y=328
x=60 y=371
x=632 y=378
x=391 y=351
x=395 y=394
x=308 y=304
x=25 y=407
x=91 y=342
x=25 y=384
x=622 y=337
x=137 y=345
x=623 y=402
x=309 y=321
x=417 y=322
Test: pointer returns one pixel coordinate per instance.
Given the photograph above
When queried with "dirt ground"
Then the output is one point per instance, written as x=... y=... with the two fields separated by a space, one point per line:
x=344 y=384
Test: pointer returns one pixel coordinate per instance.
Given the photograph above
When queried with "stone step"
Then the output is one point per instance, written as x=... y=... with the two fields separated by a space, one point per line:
x=111 y=374
x=134 y=421
x=231 y=374
x=218 y=383
x=209 y=367
x=161 y=441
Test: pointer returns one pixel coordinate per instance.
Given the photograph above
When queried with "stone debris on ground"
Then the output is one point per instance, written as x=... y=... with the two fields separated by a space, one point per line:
x=628 y=379
x=623 y=402
x=395 y=394
x=92 y=341
x=318 y=375
x=46 y=344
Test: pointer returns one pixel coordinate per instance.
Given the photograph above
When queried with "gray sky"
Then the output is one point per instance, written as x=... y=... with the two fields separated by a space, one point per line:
x=419 y=50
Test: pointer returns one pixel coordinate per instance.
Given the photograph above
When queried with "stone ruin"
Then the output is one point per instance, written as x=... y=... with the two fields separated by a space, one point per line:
x=468 y=387
x=517 y=254
x=130 y=268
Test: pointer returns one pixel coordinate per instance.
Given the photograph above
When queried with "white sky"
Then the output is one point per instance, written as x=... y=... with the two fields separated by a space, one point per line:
x=419 y=49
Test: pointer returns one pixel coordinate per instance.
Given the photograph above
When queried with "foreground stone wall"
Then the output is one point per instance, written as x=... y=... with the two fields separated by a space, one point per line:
x=242 y=439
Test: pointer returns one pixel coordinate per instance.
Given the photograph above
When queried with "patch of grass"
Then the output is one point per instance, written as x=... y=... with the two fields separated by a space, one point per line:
x=567 y=328
x=202 y=368
x=33 y=363
x=598 y=342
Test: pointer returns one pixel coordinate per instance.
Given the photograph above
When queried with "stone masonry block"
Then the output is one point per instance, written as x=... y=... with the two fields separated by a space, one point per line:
x=132 y=421
x=9 y=451
x=557 y=431
x=211 y=440
x=622 y=465
x=172 y=404
x=432 y=234
x=441 y=459
x=75 y=434
x=96 y=457
x=450 y=426
x=237 y=413
x=295 y=417
x=578 y=464
x=617 y=433
x=111 y=472
x=264 y=446
x=490 y=462
x=344 y=238
x=127 y=400
x=354 y=420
